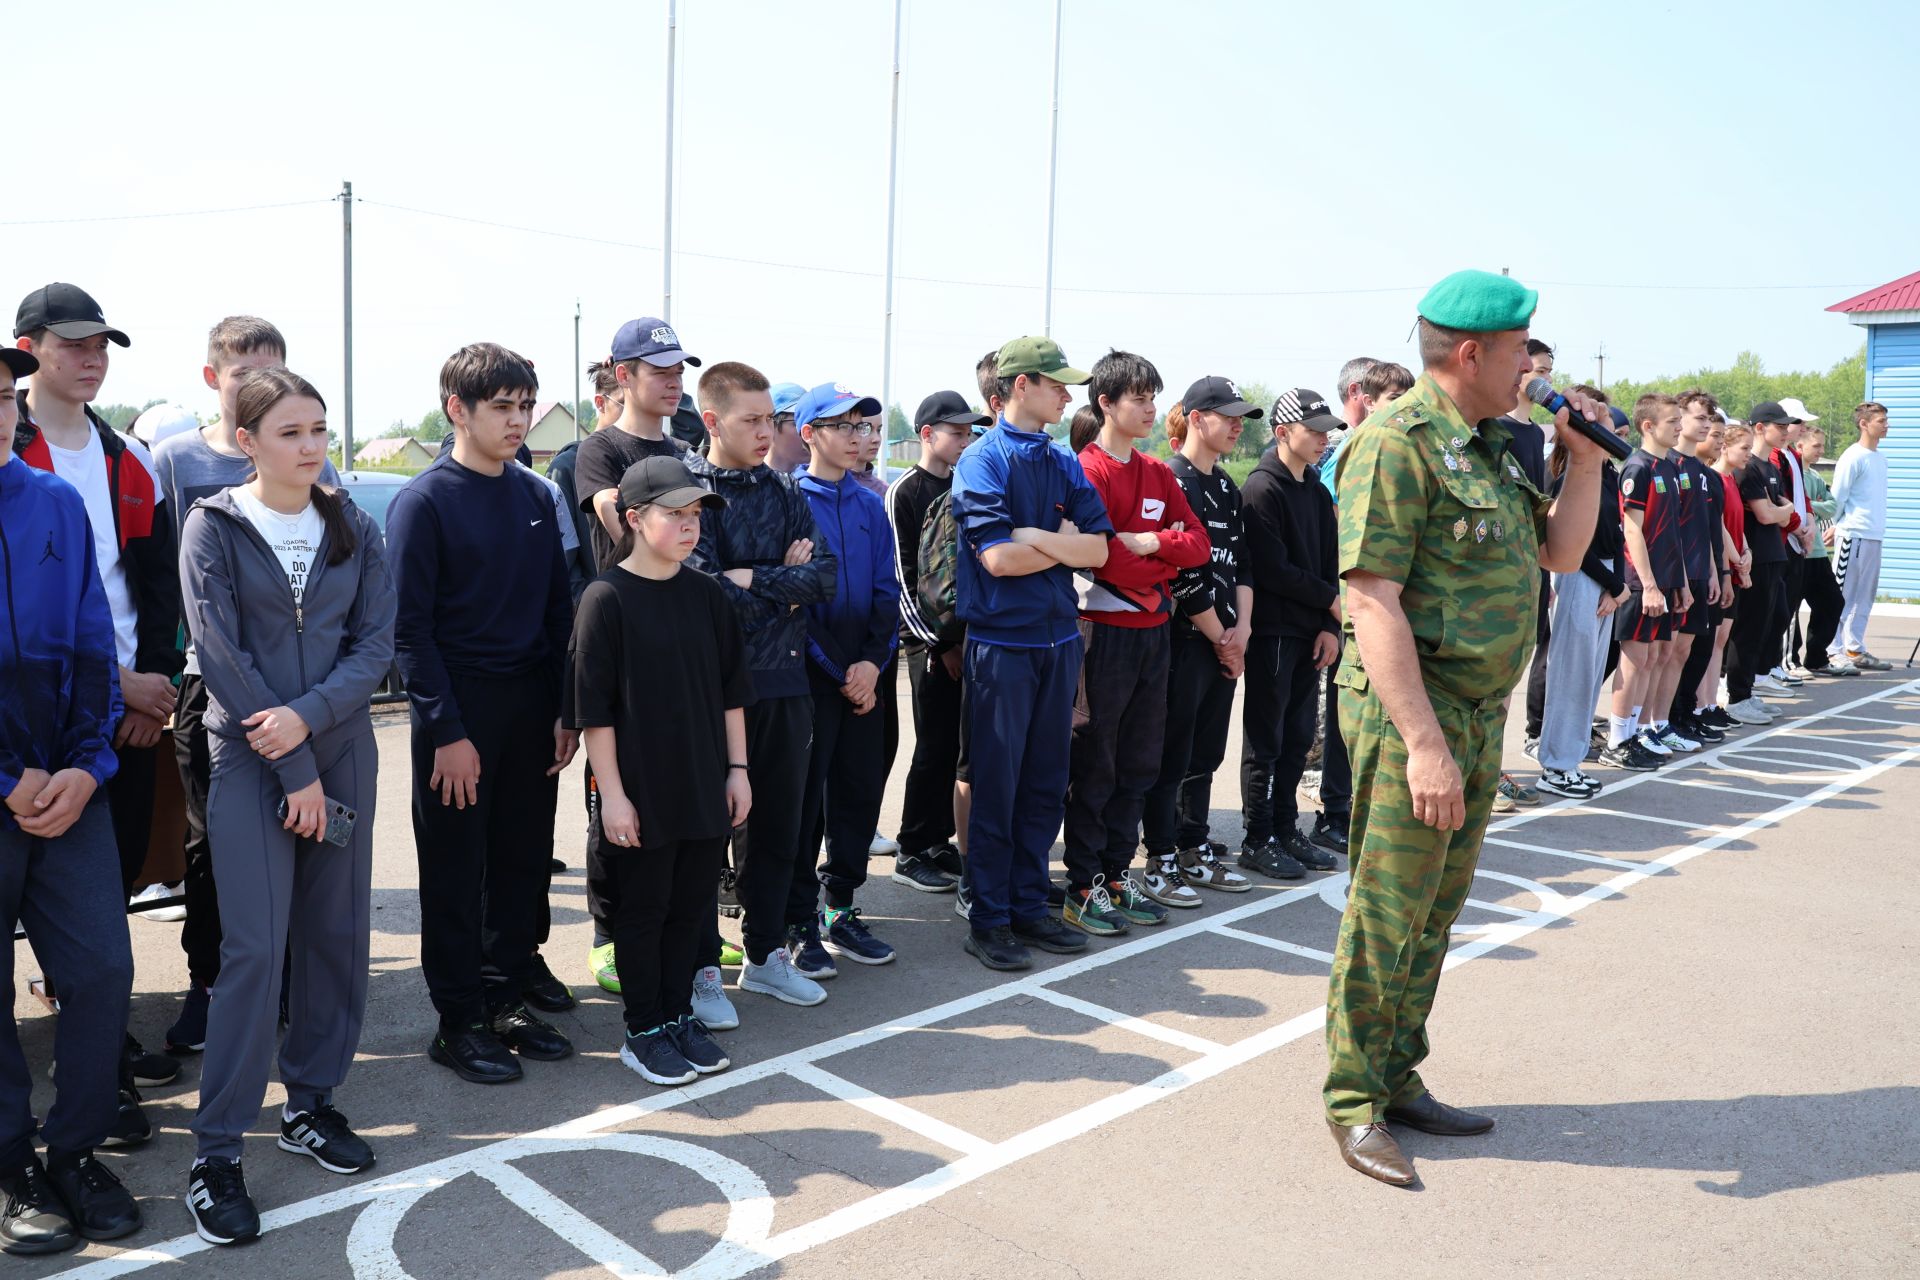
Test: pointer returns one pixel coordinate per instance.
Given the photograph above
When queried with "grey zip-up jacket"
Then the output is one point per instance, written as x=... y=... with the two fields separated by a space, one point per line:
x=322 y=659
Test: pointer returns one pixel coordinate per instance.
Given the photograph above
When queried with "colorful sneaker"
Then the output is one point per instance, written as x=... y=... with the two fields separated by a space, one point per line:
x=710 y=1003
x=1091 y=911
x=701 y=1050
x=1203 y=868
x=777 y=978
x=1164 y=883
x=600 y=965
x=731 y=957
x=1132 y=905
x=657 y=1057
x=1524 y=796
x=810 y=959
x=848 y=935
x=324 y=1135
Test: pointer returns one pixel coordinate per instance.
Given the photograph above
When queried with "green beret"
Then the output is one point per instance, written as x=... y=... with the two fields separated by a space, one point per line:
x=1479 y=302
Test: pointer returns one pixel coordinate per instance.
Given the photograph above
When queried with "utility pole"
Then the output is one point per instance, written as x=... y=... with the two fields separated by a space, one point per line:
x=893 y=170
x=666 y=242
x=346 y=308
x=1600 y=375
x=577 y=432
x=1053 y=168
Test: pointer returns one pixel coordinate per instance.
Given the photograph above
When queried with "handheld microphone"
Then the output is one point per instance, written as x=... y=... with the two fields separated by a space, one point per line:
x=1541 y=392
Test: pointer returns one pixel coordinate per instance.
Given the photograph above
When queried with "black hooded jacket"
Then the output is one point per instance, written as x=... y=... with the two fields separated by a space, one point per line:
x=1292 y=550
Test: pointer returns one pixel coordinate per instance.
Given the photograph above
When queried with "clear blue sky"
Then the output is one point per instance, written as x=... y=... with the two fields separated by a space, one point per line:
x=1252 y=189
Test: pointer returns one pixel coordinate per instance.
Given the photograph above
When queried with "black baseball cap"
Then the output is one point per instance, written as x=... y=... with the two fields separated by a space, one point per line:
x=948 y=406
x=19 y=363
x=1770 y=411
x=67 y=310
x=666 y=481
x=1308 y=408
x=1221 y=396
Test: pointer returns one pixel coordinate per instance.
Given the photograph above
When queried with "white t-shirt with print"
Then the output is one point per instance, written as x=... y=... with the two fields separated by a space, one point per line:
x=86 y=470
x=295 y=539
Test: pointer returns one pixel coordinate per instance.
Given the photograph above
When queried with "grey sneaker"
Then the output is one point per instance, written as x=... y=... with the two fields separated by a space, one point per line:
x=710 y=1003
x=778 y=978
x=1164 y=883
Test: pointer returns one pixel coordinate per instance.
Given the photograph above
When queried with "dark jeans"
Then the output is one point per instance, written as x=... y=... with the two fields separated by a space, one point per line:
x=1686 y=696
x=663 y=910
x=200 y=936
x=846 y=779
x=1336 y=771
x=1824 y=602
x=65 y=891
x=1537 y=673
x=1199 y=708
x=1276 y=733
x=130 y=801
x=926 y=814
x=778 y=733
x=1748 y=642
x=1119 y=722
x=485 y=869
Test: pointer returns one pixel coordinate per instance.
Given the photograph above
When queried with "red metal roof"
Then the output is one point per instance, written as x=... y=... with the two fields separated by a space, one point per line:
x=1896 y=295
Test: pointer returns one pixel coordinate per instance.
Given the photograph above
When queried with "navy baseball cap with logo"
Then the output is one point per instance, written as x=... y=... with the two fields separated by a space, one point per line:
x=830 y=400
x=67 y=310
x=1308 y=408
x=651 y=339
x=949 y=407
x=1221 y=395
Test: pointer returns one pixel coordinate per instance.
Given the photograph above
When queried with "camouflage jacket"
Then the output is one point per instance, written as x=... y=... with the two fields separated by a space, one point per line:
x=1446 y=511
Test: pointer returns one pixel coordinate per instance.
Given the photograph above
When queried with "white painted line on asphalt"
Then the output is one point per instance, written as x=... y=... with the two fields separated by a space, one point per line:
x=908 y=1118
x=1274 y=944
x=1127 y=1022
x=1898 y=724
x=1810 y=734
x=1620 y=864
x=1703 y=785
x=1502 y=908
x=1601 y=812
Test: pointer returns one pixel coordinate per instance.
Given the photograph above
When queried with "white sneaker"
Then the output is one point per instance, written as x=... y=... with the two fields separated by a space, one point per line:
x=1774 y=686
x=1751 y=712
x=1838 y=667
x=1785 y=677
x=1651 y=741
x=159 y=893
x=883 y=847
x=710 y=1003
x=1678 y=741
x=779 y=979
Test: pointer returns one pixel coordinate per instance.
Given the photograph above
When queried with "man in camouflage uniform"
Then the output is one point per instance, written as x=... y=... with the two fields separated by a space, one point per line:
x=1442 y=539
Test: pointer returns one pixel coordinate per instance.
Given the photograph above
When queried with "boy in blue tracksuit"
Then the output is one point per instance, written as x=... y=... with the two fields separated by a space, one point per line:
x=1027 y=518
x=850 y=641
x=59 y=862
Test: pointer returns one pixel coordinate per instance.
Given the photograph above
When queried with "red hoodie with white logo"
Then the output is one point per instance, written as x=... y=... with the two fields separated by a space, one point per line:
x=1142 y=496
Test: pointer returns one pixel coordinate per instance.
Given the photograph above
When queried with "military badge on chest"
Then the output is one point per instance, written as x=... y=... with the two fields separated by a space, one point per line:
x=1459 y=528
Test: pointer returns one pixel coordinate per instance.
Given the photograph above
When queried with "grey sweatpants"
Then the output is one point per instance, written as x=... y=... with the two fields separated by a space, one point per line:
x=275 y=889
x=1576 y=668
x=1856 y=566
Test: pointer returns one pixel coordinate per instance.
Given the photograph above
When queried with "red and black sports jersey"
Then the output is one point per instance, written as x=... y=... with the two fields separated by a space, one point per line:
x=1699 y=519
x=1651 y=486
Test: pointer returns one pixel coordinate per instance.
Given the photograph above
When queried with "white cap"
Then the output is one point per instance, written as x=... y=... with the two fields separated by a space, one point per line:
x=1795 y=409
x=161 y=421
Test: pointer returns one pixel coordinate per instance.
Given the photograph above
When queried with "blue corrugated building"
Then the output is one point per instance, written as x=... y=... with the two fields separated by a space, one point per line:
x=1891 y=316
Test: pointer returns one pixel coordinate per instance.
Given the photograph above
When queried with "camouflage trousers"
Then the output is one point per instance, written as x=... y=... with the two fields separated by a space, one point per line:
x=1409 y=883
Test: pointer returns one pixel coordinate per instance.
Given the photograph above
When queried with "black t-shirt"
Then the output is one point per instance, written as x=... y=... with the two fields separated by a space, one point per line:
x=1758 y=481
x=1651 y=486
x=602 y=459
x=661 y=663
x=1699 y=522
x=1529 y=445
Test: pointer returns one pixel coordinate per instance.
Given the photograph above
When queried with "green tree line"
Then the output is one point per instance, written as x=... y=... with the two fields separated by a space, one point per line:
x=1832 y=394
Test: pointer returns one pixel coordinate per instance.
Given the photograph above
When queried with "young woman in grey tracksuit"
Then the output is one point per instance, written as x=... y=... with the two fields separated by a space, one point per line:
x=291 y=608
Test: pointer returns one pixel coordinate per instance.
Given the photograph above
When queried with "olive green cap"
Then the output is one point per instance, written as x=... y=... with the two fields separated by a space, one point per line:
x=1038 y=355
x=1479 y=302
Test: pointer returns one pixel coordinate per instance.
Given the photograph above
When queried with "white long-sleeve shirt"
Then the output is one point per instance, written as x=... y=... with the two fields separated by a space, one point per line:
x=1860 y=493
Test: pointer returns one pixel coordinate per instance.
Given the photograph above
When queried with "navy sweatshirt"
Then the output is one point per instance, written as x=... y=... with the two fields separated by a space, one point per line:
x=482 y=585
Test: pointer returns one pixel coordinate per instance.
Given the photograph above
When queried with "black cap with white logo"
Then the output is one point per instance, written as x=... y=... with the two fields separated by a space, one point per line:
x=67 y=310
x=1221 y=396
x=1307 y=408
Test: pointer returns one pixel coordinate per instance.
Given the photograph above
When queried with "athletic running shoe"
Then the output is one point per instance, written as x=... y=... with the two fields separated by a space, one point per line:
x=777 y=978
x=130 y=1125
x=657 y=1057
x=996 y=949
x=325 y=1135
x=1524 y=796
x=883 y=847
x=1837 y=667
x=1531 y=748
x=1717 y=717
x=1867 y=662
x=1306 y=853
x=1503 y=803
x=917 y=872
x=1785 y=677
x=544 y=991
x=1630 y=755
x=600 y=965
x=223 y=1212
x=731 y=957
x=1049 y=934
x=1204 y=868
x=1702 y=730
x=1774 y=685
x=1272 y=859
x=158 y=893
x=947 y=858
x=188 y=1034
x=1750 y=711
x=1091 y=911
x=98 y=1206
x=1132 y=905
x=848 y=935
x=810 y=959
x=962 y=899
x=1674 y=740
x=700 y=1050
x=1561 y=783
x=148 y=1068
x=1651 y=740
x=710 y=1003
x=36 y=1220
x=1164 y=883
x=1331 y=833
x=1593 y=785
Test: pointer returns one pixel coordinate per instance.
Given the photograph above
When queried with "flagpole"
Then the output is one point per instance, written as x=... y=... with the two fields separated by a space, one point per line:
x=666 y=240
x=893 y=171
x=1053 y=166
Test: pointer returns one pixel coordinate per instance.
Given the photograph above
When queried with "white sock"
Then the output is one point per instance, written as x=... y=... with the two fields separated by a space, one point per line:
x=1659 y=726
x=1619 y=729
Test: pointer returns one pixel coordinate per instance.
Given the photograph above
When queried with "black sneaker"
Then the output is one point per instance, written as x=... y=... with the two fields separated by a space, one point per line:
x=223 y=1212
x=544 y=991
x=917 y=872
x=36 y=1218
x=1700 y=731
x=528 y=1036
x=555 y=866
x=729 y=893
x=947 y=858
x=474 y=1054
x=996 y=948
x=129 y=1127
x=1049 y=934
x=149 y=1068
x=702 y=1052
x=188 y=1034
x=1331 y=834
x=323 y=1133
x=962 y=899
x=1302 y=851
x=1270 y=859
x=657 y=1058
x=1630 y=755
x=1717 y=716
x=97 y=1205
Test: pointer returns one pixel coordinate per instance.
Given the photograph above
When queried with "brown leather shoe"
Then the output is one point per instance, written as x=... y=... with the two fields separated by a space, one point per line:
x=1373 y=1151
x=1430 y=1115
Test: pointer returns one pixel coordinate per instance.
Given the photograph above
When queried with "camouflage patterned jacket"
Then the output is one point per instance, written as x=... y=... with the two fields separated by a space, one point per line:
x=1446 y=511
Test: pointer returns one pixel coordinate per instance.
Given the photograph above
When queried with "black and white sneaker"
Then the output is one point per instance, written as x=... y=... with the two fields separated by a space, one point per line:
x=702 y=1052
x=962 y=899
x=323 y=1134
x=223 y=1212
x=657 y=1058
x=917 y=872
x=1577 y=786
x=947 y=858
x=1630 y=755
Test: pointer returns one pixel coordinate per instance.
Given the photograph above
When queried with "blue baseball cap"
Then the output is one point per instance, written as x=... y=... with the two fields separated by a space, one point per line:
x=830 y=400
x=786 y=395
x=651 y=339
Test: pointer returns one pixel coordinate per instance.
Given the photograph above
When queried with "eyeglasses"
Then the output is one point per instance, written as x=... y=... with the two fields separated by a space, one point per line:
x=860 y=432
